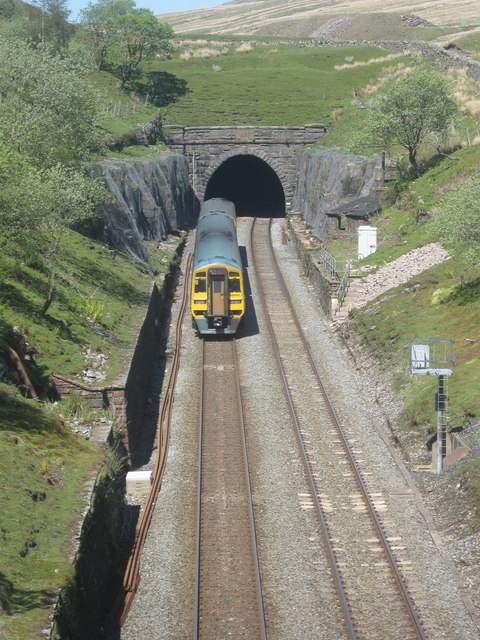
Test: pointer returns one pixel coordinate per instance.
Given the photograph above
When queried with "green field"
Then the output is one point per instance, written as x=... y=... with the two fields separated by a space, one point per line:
x=270 y=85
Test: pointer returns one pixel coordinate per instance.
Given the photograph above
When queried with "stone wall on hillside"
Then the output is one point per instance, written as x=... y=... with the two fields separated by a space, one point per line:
x=331 y=177
x=150 y=199
x=449 y=59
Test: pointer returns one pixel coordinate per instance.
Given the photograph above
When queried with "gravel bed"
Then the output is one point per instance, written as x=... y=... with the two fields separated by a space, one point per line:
x=430 y=573
x=294 y=573
x=400 y=271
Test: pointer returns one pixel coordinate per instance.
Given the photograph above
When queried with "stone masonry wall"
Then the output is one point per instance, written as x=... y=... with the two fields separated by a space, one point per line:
x=206 y=148
x=325 y=288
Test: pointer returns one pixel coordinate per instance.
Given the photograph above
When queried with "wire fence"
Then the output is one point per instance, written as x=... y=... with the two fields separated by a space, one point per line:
x=121 y=109
x=466 y=136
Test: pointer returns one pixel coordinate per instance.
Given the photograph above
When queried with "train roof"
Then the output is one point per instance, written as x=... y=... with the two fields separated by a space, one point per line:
x=217 y=205
x=216 y=242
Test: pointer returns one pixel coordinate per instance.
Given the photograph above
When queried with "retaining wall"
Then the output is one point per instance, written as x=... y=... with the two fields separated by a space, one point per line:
x=325 y=287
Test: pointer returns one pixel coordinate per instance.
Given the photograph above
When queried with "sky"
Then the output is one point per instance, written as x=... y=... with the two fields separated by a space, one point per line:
x=157 y=6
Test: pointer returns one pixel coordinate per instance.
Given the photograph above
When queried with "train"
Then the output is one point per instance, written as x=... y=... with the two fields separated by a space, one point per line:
x=217 y=289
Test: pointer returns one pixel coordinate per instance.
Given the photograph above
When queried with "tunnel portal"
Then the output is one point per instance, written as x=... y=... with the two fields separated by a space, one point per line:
x=251 y=184
x=254 y=166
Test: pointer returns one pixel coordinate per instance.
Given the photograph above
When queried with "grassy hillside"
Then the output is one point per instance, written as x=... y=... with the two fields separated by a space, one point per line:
x=100 y=302
x=98 y=309
x=265 y=84
x=442 y=301
x=308 y=17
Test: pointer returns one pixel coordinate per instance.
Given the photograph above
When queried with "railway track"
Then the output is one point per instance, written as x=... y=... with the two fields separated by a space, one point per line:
x=373 y=595
x=228 y=597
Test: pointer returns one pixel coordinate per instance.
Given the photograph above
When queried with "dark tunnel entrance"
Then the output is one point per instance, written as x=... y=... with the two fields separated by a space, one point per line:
x=251 y=184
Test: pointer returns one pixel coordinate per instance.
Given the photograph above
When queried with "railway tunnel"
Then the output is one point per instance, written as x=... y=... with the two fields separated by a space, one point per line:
x=251 y=184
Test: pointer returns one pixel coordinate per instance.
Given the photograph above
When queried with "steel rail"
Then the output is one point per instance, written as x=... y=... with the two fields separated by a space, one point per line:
x=253 y=534
x=196 y=627
x=320 y=512
x=131 y=578
x=350 y=455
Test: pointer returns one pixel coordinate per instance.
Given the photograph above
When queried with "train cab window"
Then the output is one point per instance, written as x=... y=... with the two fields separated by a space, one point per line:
x=234 y=285
x=217 y=286
x=200 y=285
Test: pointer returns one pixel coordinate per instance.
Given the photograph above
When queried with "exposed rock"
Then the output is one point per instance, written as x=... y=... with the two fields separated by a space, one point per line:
x=329 y=178
x=415 y=21
x=146 y=134
x=331 y=27
x=94 y=370
x=150 y=199
x=25 y=350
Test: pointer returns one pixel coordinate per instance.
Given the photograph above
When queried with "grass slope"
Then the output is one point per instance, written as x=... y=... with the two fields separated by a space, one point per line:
x=43 y=470
x=442 y=301
x=269 y=85
x=283 y=16
x=99 y=305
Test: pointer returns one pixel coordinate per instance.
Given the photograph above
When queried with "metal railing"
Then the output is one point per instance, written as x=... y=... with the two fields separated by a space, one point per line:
x=329 y=264
x=344 y=284
x=338 y=270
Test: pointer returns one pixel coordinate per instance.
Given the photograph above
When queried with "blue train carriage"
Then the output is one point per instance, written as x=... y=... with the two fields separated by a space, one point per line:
x=217 y=298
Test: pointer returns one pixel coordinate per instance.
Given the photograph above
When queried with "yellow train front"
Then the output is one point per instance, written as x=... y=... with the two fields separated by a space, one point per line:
x=217 y=296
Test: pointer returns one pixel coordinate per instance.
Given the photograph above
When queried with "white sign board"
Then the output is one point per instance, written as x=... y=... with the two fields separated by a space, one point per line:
x=420 y=356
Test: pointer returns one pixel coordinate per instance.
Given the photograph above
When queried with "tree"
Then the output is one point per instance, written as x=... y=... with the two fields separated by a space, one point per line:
x=138 y=36
x=408 y=111
x=97 y=19
x=48 y=127
x=457 y=221
x=54 y=26
x=161 y=88
x=49 y=112
x=39 y=206
x=7 y=8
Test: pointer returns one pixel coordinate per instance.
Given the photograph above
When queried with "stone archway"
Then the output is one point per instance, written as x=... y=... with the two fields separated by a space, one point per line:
x=208 y=148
